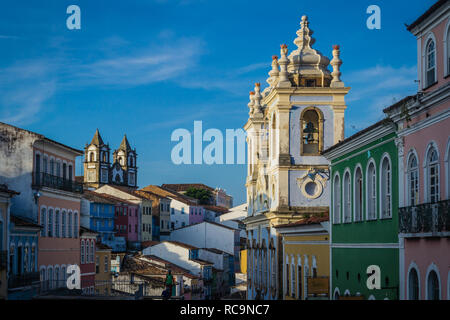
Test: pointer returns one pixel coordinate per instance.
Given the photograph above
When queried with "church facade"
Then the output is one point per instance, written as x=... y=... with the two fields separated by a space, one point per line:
x=291 y=121
x=100 y=170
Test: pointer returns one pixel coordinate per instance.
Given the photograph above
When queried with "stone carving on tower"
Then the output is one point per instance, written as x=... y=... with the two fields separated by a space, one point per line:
x=290 y=123
x=98 y=169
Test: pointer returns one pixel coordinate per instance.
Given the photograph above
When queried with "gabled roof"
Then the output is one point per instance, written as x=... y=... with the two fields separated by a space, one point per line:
x=97 y=139
x=427 y=13
x=385 y=121
x=219 y=209
x=170 y=194
x=181 y=244
x=116 y=199
x=97 y=197
x=178 y=187
x=214 y=250
x=43 y=138
x=147 y=194
x=173 y=267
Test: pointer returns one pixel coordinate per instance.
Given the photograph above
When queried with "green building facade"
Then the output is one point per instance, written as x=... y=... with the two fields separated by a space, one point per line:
x=364 y=213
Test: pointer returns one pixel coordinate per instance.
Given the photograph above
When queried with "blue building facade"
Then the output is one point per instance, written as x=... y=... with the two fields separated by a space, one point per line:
x=23 y=274
x=102 y=220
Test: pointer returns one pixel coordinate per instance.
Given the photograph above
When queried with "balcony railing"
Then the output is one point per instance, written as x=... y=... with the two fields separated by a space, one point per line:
x=425 y=218
x=41 y=179
x=23 y=280
x=3 y=260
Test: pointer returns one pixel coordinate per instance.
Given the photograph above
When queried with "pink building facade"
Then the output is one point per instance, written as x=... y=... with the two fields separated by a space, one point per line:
x=196 y=214
x=58 y=199
x=423 y=122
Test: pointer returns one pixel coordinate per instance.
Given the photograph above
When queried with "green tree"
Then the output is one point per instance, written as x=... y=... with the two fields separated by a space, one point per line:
x=203 y=195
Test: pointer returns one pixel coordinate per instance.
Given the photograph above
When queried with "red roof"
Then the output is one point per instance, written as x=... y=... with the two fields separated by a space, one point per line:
x=185 y=186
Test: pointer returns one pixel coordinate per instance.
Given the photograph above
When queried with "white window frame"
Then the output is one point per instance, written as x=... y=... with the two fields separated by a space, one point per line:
x=347 y=196
x=337 y=199
x=409 y=172
x=412 y=266
x=425 y=68
x=433 y=267
x=355 y=186
x=427 y=169
x=381 y=191
x=371 y=197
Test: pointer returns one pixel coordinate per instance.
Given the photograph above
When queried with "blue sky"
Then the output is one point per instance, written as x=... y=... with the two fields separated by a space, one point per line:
x=146 y=68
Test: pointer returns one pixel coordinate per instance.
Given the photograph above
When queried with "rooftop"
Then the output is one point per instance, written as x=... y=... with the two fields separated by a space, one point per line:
x=23 y=222
x=426 y=14
x=314 y=219
x=178 y=187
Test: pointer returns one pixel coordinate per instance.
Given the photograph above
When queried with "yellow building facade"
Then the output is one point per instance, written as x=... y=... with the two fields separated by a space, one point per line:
x=102 y=269
x=306 y=259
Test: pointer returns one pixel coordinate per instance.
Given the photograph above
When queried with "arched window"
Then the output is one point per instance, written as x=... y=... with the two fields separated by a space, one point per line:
x=413 y=180
x=50 y=277
x=131 y=161
x=358 y=194
x=82 y=251
x=57 y=279
x=386 y=188
x=433 y=286
x=433 y=175
x=52 y=167
x=92 y=252
x=75 y=225
x=255 y=281
x=70 y=172
x=371 y=191
x=347 y=198
x=63 y=224
x=33 y=258
x=26 y=265
x=337 y=199
x=104 y=156
x=91 y=156
x=311 y=132
x=413 y=285
x=57 y=234
x=69 y=225
x=292 y=279
x=250 y=266
x=43 y=223
x=430 y=66
x=44 y=164
x=50 y=222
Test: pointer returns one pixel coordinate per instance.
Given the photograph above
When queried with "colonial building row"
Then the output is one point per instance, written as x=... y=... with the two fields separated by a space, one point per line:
x=324 y=211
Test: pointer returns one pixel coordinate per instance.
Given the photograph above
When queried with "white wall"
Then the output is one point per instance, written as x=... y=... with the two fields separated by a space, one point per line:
x=178 y=218
x=175 y=254
x=206 y=235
